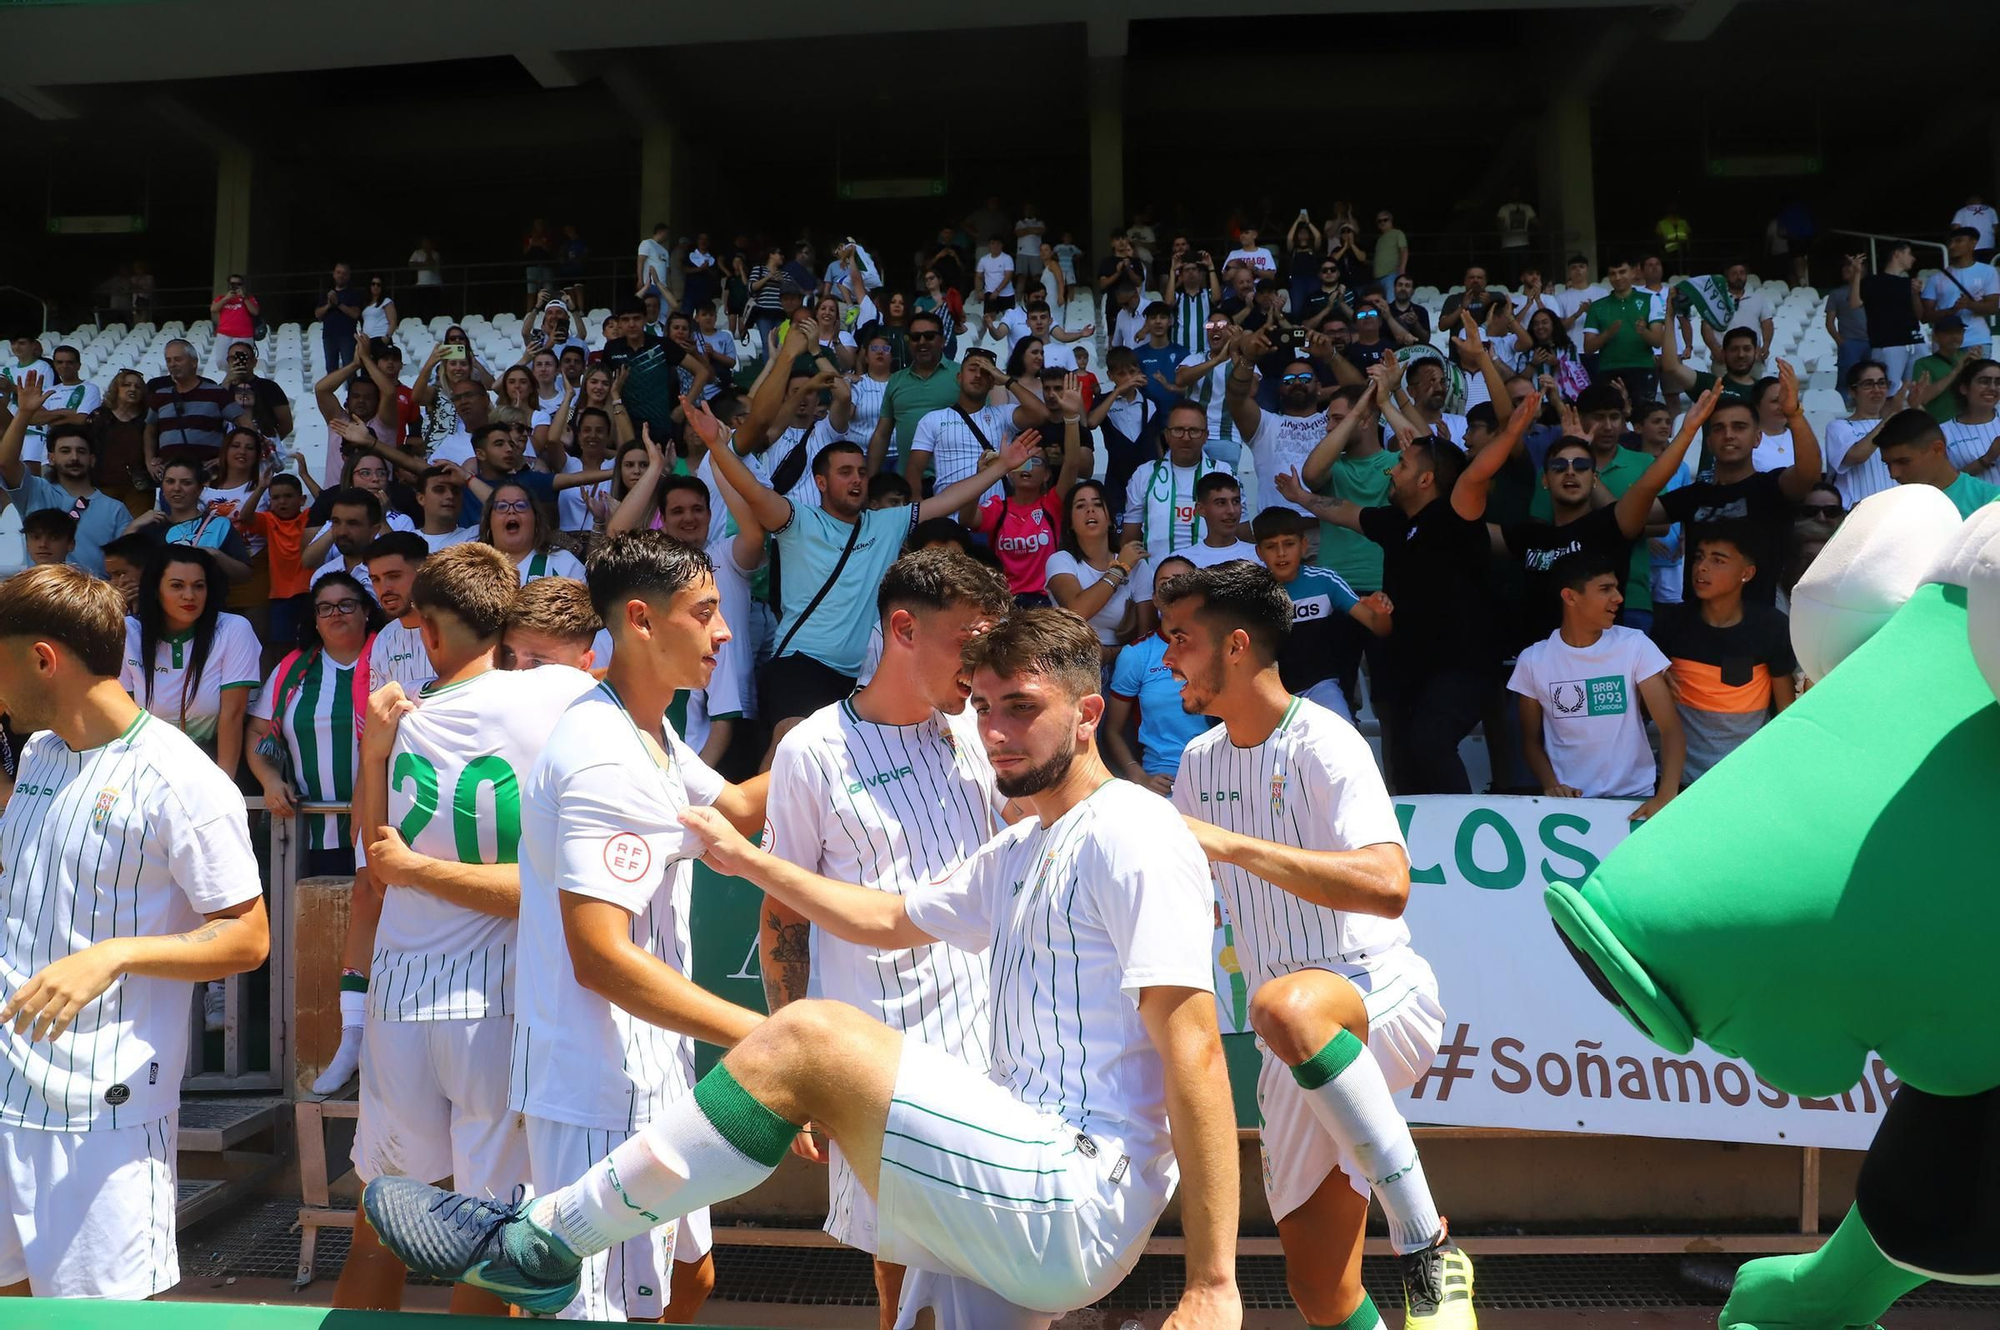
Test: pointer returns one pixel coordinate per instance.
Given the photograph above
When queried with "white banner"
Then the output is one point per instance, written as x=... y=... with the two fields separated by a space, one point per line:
x=1529 y=1042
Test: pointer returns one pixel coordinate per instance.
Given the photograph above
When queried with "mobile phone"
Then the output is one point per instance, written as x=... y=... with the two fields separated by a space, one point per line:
x=453 y=351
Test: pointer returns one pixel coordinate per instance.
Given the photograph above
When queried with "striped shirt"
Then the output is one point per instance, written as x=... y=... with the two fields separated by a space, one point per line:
x=455 y=795
x=895 y=807
x=1211 y=392
x=319 y=702
x=399 y=656
x=955 y=448
x=1313 y=784
x=194 y=707
x=1159 y=500
x=549 y=563
x=1867 y=476
x=1190 y=320
x=600 y=818
x=867 y=394
x=138 y=838
x=1966 y=442
x=1077 y=919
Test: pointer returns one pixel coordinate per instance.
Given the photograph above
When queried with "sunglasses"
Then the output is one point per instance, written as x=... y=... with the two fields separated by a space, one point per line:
x=1821 y=510
x=923 y=336
x=1558 y=465
x=1298 y=378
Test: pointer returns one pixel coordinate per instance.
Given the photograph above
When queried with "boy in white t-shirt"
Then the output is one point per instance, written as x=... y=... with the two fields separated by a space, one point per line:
x=1580 y=690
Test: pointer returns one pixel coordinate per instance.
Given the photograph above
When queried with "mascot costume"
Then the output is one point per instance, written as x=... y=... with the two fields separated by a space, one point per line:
x=1830 y=889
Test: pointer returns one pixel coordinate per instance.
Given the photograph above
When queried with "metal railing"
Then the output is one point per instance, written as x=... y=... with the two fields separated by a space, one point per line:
x=234 y=1072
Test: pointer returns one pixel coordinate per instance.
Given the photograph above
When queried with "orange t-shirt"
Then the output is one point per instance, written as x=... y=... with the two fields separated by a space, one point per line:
x=284 y=541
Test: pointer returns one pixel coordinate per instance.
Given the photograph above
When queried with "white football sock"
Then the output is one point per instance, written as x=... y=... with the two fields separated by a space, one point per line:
x=1346 y=1092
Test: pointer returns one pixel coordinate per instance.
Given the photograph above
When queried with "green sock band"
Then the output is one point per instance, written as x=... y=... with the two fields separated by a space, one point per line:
x=754 y=1130
x=1330 y=1061
x=353 y=982
x=1364 y=1317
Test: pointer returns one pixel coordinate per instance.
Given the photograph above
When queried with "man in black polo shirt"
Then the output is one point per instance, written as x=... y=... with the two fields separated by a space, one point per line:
x=651 y=405
x=186 y=412
x=1892 y=302
x=1736 y=491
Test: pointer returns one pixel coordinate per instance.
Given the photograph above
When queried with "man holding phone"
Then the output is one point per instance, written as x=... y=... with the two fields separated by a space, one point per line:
x=339 y=316
x=235 y=313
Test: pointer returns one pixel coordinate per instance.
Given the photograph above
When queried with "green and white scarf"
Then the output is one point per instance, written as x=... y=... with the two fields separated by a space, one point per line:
x=1708 y=297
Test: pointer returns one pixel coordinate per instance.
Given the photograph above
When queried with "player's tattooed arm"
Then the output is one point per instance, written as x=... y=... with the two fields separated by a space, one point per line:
x=787 y=955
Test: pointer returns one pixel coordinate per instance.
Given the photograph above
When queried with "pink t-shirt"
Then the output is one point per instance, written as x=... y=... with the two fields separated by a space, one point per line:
x=1023 y=539
x=234 y=319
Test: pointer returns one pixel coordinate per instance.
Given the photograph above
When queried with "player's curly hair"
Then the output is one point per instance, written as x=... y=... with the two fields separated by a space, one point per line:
x=1054 y=643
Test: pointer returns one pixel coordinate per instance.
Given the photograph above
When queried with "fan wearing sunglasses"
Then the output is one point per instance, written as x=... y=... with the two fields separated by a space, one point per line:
x=1578 y=525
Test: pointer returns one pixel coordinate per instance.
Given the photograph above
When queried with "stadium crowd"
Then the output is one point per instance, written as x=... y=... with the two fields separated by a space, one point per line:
x=1535 y=520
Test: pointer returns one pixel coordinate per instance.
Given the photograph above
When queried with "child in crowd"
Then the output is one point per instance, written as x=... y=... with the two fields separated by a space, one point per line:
x=282 y=527
x=50 y=535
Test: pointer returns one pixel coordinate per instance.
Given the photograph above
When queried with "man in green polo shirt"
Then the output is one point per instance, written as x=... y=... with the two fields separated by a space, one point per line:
x=1912 y=447
x=929 y=383
x=1739 y=369
x=1619 y=329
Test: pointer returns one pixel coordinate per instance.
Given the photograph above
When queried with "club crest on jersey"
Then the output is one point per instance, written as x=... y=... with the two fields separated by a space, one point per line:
x=101 y=814
x=1278 y=792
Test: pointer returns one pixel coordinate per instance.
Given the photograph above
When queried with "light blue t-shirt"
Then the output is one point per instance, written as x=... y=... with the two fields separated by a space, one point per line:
x=102 y=520
x=808 y=548
x=1164 y=729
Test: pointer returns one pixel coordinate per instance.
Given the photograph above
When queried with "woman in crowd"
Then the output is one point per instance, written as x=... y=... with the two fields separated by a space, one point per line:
x=235 y=312
x=1774 y=450
x=441 y=371
x=1142 y=680
x=835 y=338
x=367 y=471
x=1972 y=435
x=1544 y=347
x=941 y=299
x=239 y=471
x=1086 y=577
x=118 y=442
x=378 y=316
x=598 y=392
x=1022 y=525
x=891 y=317
x=517 y=389
x=512 y=522
x=302 y=734
x=1054 y=289
x=1024 y=363
x=186 y=661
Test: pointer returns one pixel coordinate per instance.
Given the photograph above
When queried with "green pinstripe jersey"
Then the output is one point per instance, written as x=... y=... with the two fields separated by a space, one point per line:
x=1078 y=918
x=318 y=727
x=454 y=794
x=1312 y=783
x=892 y=807
x=138 y=838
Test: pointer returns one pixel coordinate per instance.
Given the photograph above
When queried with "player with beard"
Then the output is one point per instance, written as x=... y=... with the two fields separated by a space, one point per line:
x=1287 y=802
x=892 y=787
x=1026 y=1193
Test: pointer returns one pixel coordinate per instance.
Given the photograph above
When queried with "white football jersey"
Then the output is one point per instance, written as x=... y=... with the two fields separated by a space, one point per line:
x=1076 y=919
x=138 y=838
x=234 y=661
x=399 y=656
x=549 y=563
x=454 y=794
x=892 y=807
x=601 y=818
x=1312 y=784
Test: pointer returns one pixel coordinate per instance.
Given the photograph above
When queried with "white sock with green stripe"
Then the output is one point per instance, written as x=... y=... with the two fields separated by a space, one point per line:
x=711 y=1145
x=1347 y=1094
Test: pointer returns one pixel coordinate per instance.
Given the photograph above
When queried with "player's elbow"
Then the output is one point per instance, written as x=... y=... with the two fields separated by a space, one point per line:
x=1392 y=879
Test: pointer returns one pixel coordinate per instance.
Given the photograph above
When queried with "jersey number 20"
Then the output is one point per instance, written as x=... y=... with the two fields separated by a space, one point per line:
x=464 y=804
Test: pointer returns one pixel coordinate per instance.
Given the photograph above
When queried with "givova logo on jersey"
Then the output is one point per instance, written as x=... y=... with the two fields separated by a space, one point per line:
x=1603 y=695
x=880 y=778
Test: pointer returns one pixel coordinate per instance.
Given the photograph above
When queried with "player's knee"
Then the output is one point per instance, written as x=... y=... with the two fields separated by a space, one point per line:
x=1295 y=1017
x=806 y=1032
x=1326 y=1292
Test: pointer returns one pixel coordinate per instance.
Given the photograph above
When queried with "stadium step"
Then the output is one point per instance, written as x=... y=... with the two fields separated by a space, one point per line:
x=215 y=1169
